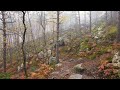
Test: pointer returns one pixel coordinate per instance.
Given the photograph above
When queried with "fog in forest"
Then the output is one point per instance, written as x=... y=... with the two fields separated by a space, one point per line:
x=60 y=44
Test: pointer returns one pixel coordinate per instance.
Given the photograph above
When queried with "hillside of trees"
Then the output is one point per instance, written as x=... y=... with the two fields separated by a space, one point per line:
x=59 y=44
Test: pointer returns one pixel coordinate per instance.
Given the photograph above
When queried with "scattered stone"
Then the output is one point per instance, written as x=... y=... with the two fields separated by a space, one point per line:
x=37 y=59
x=96 y=37
x=21 y=66
x=61 y=60
x=52 y=60
x=30 y=62
x=78 y=68
x=18 y=68
x=80 y=58
x=94 y=45
x=76 y=76
x=41 y=55
x=49 y=53
x=115 y=64
x=55 y=73
x=51 y=42
x=61 y=42
x=115 y=71
x=87 y=77
x=71 y=60
x=109 y=65
x=109 y=50
x=29 y=56
x=58 y=65
x=26 y=62
x=116 y=59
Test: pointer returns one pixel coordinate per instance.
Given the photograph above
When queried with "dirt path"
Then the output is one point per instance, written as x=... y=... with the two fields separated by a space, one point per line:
x=64 y=71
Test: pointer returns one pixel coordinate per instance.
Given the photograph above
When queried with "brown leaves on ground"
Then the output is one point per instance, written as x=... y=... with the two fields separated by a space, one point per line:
x=42 y=72
x=82 y=54
x=116 y=46
x=107 y=71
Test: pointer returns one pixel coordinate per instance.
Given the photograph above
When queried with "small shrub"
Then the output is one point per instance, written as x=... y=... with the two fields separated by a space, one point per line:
x=53 y=65
x=100 y=52
x=5 y=75
x=92 y=57
x=33 y=68
x=111 y=34
x=109 y=59
x=84 y=46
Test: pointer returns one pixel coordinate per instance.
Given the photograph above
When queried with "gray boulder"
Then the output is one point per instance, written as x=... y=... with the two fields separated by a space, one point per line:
x=61 y=43
x=52 y=60
x=116 y=60
x=78 y=68
x=41 y=55
x=58 y=65
x=54 y=73
x=75 y=76
x=49 y=53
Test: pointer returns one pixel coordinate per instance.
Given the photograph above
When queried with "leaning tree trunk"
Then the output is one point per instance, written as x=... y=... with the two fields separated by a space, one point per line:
x=4 y=40
x=118 y=34
x=23 y=47
x=57 y=45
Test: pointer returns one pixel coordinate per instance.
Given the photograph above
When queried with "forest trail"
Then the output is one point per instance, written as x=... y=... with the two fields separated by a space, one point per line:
x=66 y=69
x=60 y=45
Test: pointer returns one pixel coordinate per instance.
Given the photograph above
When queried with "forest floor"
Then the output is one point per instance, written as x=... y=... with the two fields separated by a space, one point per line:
x=67 y=61
x=66 y=69
x=38 y=70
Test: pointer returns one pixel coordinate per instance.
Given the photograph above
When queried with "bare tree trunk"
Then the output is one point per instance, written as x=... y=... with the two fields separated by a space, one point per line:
x=106 y=17
x=53 y=33
x=35 y=50
x=18 y=41
x=96 y=18
x=9 y=48
x=111 y=17
x=118 y=35
x=79 y=21
x=14 y=39
x=4 y=40
x=23 y=49
x=44 y=23
x=90 y=22
x=57 y=45
x=85 y=18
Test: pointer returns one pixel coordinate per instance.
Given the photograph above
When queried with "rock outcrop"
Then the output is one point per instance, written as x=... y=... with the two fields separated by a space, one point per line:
x=116 y=59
